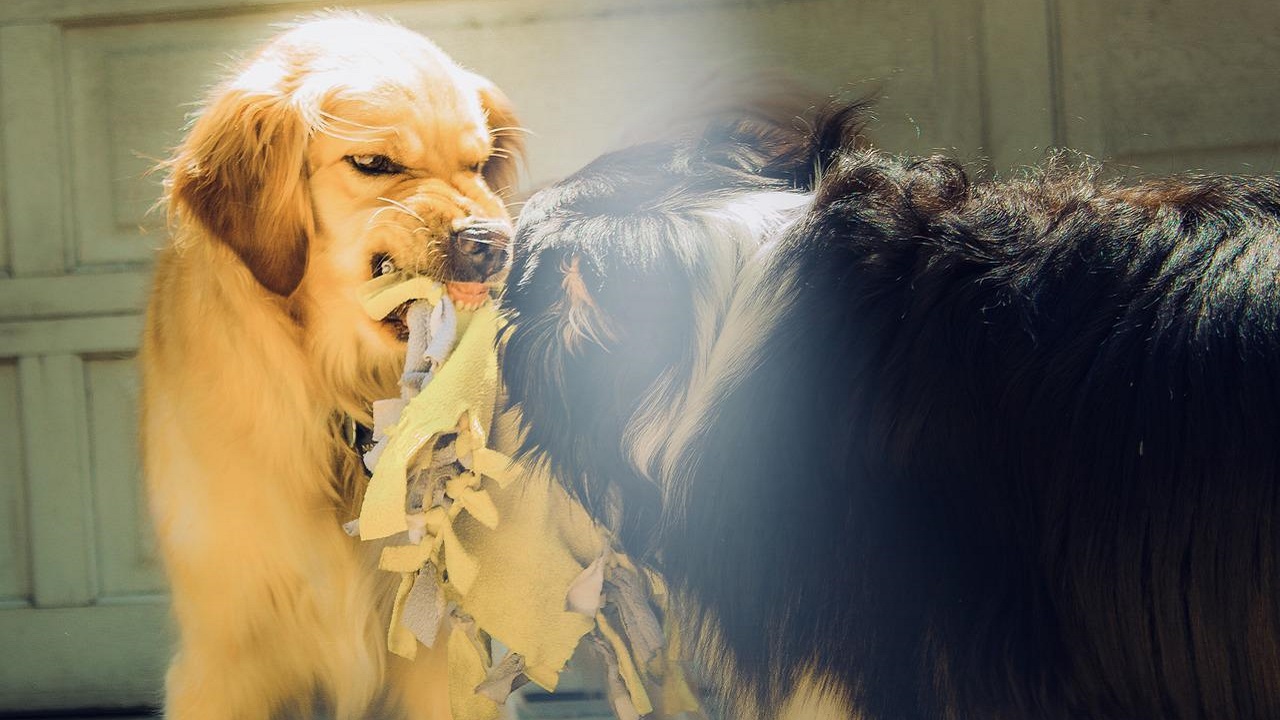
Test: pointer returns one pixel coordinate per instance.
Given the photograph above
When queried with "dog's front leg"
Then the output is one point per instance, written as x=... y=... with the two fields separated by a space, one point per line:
x=421 y=686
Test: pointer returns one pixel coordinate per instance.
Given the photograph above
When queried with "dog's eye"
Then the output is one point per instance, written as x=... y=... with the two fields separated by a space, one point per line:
x=476 y=167
x=374 y=164
x=382 y=264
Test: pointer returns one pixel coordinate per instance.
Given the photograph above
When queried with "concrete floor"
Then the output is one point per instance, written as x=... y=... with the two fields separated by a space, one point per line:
x=580 y=696
x=580 y=701
x=86 y=715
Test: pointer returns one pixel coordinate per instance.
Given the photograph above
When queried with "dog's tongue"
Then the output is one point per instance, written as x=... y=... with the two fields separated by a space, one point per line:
x=467 y=292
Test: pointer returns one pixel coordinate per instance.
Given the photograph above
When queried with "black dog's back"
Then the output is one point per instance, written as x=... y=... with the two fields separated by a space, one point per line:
x=1010 y=450
x=997 y=451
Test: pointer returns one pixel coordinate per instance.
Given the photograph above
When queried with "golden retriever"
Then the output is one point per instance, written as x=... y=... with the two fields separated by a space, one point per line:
x=346 y=147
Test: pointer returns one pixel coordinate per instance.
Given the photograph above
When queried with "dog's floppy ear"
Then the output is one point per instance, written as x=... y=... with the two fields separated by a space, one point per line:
x=242 y=173
x=502 y=169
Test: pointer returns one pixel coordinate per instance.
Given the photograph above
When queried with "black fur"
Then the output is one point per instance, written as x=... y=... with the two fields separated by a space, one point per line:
x=1010 y=451
x=623 y=219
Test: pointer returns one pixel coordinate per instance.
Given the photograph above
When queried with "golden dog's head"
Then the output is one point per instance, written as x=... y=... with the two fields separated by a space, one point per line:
x=346 y=148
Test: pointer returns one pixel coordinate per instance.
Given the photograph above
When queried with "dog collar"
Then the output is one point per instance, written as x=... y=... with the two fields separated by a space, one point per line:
x=358 y=437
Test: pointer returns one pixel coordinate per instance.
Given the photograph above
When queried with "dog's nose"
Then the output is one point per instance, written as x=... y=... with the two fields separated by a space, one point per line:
x=480 y=251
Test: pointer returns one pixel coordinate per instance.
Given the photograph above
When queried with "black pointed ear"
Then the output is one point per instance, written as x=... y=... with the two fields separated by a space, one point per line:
x=502 y=169
x=756 y=144
x=241 y=172
x=785 y=138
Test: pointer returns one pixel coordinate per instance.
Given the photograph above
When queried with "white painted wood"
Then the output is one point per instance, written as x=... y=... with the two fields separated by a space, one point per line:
x=1173 y=84
x=90 y=11
x=6 y=248
x=72 y=335
x=130 y=90
x=31 y=130
x=1018 y=66
x=127 y=562
x=604 y=77
x=487 y=11
x=60 y=523
x=103 y=656
x=15 y=573
x=70 y=296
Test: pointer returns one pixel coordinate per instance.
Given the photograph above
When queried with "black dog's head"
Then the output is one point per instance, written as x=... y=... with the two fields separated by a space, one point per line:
x=622 y=275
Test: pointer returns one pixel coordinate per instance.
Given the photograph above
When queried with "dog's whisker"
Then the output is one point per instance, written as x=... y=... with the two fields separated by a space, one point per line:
x=378 y=213
x=403 y=207
x=326 y=130
x=352 y=131
x=400 y=211
x=485 y=241
x=348 y=121
x=394 y=225
x=509 y=129
x=375 y=219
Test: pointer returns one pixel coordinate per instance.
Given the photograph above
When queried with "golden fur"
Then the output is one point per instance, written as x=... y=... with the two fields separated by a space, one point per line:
x=256 y=349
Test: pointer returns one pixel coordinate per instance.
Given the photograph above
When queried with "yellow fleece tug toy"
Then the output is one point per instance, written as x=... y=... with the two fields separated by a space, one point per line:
x=491 y=549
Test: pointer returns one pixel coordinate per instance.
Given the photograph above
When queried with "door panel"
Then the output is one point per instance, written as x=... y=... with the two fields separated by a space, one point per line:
x=1171 y=85
x=15 y=579
x=128 y=566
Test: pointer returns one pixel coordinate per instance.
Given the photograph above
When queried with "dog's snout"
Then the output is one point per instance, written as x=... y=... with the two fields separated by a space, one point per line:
x=480 y=251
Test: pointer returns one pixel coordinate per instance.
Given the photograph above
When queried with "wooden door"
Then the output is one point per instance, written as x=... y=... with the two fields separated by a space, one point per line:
x=94 y=92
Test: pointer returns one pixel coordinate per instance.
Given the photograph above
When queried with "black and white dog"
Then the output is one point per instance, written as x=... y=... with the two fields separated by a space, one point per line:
x=944 y=448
